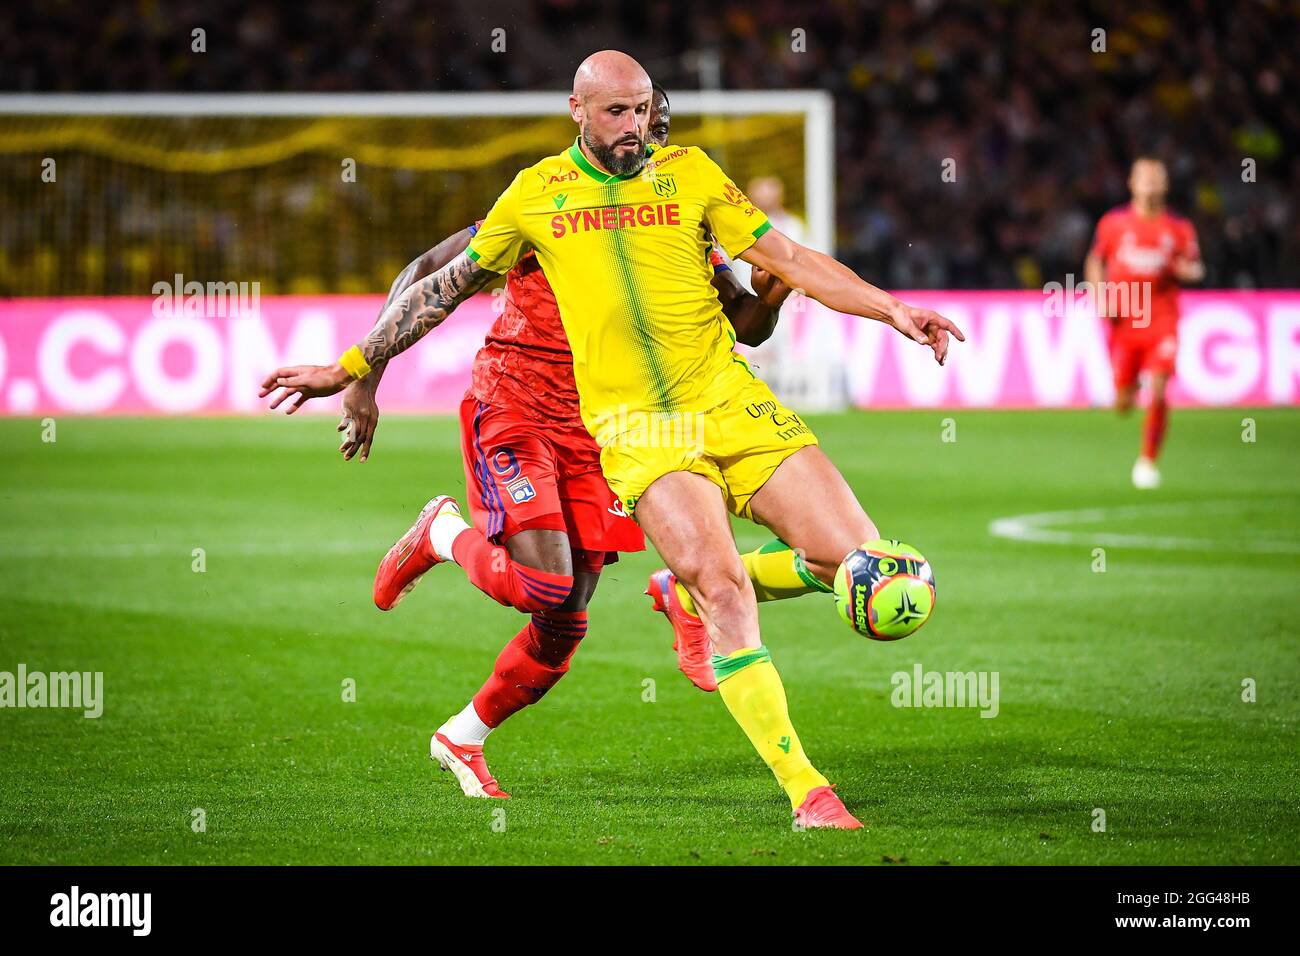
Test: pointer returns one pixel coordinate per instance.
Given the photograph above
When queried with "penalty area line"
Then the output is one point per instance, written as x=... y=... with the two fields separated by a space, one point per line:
x=1041 y=528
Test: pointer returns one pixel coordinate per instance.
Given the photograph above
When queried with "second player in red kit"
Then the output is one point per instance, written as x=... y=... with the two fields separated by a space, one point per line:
x=529 y=460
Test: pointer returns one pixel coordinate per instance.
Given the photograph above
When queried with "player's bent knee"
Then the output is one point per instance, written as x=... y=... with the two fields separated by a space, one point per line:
x=536 y=594
x=725 y=590
x=543 y=549
x=691 y=571
x=723 y=579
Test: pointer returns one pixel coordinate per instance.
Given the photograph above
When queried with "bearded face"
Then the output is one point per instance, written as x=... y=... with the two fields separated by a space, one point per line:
x=622 y=156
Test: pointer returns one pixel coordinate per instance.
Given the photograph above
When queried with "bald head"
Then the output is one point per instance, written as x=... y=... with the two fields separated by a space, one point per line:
x=610 y=71
x=611 y=103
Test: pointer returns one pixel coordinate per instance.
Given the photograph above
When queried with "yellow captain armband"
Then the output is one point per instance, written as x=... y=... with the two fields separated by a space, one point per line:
x=354 y=363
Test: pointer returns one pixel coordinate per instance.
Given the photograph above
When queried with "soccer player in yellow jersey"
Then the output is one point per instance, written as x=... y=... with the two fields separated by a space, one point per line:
x=687 y=432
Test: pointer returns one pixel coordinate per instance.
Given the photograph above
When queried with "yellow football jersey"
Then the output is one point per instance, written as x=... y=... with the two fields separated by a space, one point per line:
x=628 y=258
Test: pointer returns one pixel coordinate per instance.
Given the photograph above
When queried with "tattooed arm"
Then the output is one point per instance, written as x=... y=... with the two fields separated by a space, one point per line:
x=360 y=408
x=417 y=310
x=422 y=307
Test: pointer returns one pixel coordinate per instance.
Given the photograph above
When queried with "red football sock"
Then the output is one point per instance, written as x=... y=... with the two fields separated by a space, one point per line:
x=1153 y=429
x=490 y=569
x=530 y=665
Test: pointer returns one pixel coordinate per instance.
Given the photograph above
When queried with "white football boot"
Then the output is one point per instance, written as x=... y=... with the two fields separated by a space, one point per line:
x=1145 y=474
x=466 y=762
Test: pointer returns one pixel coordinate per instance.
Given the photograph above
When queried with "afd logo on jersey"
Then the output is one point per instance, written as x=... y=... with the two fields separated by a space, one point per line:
x=521 y=490
x=734 y=195
x=553 y=178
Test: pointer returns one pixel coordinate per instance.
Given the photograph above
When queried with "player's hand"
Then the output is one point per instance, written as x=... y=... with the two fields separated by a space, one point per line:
x=771 y=291
x=302 y=382
x=1188 y=271
x=360 y=418
x=925 y=326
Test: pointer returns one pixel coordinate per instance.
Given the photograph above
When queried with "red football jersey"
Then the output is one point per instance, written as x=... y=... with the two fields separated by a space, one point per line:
x=526 y=362
x=1137 y=249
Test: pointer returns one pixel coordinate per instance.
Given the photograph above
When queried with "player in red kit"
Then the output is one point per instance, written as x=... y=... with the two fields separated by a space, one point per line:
x=1141 y=255
x=544 y=519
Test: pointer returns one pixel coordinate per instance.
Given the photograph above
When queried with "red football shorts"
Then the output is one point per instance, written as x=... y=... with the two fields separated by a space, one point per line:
x=521 y=474
x=1132 y=355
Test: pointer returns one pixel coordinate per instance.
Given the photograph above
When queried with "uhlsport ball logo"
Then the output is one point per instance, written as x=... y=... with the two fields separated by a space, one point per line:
x=884 y=590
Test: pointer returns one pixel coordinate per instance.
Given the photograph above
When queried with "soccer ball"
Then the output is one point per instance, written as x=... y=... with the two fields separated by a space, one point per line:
x=884 y=590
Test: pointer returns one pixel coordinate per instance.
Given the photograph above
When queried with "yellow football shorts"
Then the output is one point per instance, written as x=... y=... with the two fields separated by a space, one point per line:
x=736 y=445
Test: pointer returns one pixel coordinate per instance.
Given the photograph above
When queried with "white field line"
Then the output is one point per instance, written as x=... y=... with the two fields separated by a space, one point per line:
x=160 y=549
x=1038 y=528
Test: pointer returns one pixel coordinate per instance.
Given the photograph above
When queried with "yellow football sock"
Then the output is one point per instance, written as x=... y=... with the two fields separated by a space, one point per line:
x=752 y=690
x=776 y=571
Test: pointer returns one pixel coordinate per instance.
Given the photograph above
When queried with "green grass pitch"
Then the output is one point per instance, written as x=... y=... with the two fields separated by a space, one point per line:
x=1119 y=690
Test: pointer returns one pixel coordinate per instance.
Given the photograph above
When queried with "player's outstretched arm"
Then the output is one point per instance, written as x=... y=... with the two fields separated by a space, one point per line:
x=752 y=314
x=838 y=287
x=421 y=308
x=360 y=412
x=417 y=310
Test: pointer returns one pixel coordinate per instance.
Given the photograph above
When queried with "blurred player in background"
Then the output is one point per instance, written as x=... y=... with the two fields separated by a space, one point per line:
x=544 y=520
x=1140 y=256
x=768 y=194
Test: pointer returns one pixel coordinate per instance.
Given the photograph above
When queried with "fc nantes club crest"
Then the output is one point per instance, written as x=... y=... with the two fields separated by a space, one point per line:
x=665 y=185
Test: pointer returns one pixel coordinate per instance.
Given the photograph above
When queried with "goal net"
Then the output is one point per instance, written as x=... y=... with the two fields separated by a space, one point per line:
x=325 y=193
